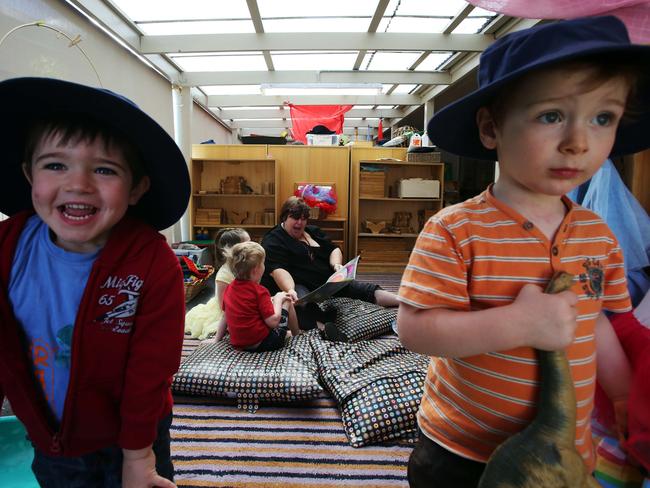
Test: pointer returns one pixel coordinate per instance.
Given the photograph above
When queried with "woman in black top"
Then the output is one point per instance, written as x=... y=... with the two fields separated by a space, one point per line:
x=300 y=258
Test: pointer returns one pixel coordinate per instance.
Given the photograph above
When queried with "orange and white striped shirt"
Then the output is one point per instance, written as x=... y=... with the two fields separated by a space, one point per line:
x=478 y=254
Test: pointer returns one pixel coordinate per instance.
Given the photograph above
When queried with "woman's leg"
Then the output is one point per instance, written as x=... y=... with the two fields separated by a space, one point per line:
x=385 y=298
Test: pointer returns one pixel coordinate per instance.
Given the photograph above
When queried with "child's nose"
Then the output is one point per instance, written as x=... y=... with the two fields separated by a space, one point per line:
x=79 y=181
x=574 y=140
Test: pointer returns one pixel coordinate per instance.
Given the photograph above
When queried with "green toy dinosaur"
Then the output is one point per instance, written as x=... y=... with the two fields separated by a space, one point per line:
x=543 y=455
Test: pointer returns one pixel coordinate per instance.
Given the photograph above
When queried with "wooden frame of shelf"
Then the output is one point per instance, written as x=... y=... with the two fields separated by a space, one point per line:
x=261 y=175
x=389 y=251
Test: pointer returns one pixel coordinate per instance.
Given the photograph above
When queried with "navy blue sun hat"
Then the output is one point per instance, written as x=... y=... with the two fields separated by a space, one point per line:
x=22 y=99
x=454 y=128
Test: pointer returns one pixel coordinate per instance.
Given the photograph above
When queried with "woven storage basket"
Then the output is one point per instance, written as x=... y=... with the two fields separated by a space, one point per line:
x=192 y=289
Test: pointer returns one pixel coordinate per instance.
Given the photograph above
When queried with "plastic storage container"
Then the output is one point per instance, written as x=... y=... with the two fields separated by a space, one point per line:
x=322 y=139
x=16 y=455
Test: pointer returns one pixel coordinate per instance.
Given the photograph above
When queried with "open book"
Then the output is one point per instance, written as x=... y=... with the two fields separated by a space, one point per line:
x=334 y=283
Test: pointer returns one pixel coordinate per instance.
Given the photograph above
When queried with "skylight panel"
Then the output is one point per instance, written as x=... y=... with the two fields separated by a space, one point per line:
x=232 y=89
x=300 y=8
x=390 y=61
x=433 y=60
x=447 y=8
x=248 y=107
x=197 y=27
x=403 y=89
x=234 y=62
x=413 y=24
x=310 y=60
x=479 y=12
x=333 y=24
x=471 y=25
x=187 y=9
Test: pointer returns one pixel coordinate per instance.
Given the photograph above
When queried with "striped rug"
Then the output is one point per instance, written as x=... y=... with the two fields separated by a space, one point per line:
x=289 y=446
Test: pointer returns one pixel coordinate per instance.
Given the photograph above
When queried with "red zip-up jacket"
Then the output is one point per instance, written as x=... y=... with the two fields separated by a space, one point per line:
x=122 y=362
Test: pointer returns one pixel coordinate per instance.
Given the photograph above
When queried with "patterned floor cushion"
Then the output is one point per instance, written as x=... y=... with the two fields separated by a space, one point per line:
x=360 y=320
x=217 y=369
x=378 y=385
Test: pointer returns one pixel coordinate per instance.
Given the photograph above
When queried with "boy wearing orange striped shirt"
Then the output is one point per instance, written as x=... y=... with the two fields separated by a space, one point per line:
x=551 y=107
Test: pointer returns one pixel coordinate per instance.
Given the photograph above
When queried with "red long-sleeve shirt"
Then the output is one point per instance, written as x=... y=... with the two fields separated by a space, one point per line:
x=121 y=368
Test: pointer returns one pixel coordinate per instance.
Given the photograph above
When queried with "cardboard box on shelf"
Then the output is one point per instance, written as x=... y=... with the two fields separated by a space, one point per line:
x=372 y=184
x=418 y=188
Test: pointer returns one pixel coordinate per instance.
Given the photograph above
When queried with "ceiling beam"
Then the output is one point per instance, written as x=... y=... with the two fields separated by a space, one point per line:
x=309 y=41
x=458 y=18
x=264 y=100
x=374 y=23
x=256 y=18
x=280 y=124
x=227 y=114
x=208 y=78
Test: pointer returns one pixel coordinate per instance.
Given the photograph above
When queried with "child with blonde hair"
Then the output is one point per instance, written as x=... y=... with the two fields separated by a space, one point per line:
x=256 y=322
x=204 y=320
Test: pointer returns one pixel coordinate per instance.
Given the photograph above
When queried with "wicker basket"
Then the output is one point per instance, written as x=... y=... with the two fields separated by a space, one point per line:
x=194 y=288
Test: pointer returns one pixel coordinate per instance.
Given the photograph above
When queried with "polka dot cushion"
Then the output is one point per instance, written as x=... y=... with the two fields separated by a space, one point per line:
x=378 y=385
x=360 y=320
x=286 y=375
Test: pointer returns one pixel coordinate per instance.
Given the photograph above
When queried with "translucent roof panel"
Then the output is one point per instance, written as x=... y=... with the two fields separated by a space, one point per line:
x=412 y=24
x=479 y=12
x=225 y=62
x=231 y=90
x=300 y=8
x=336 y=24
x=433 y=60
x=187 y=9
x=248 y=107
x=390 y=60
x=313 y=60
x=197 y=27
x=447 y=8
x=471 y=25
x=403 y=88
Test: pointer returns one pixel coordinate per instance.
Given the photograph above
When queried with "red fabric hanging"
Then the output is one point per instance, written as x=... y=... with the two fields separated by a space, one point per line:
x=380 y=131
x=305 y=117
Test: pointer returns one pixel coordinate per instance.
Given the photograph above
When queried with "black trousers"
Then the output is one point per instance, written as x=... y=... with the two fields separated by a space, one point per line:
x=433 y=466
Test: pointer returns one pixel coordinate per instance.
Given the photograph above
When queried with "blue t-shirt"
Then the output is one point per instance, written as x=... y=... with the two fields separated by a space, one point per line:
x=45 y=288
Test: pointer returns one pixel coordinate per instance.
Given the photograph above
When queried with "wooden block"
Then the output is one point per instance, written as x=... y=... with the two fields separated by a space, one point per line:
x=237 y=217
x=375 y=227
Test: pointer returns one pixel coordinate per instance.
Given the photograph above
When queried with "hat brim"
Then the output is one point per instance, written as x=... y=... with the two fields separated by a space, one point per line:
x=454 y=128
x=22 y=99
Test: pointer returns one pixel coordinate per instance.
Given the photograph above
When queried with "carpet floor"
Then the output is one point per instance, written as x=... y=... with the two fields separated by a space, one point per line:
x=290 y=446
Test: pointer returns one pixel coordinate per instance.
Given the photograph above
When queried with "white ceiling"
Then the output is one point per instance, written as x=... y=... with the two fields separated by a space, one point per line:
x=226 y=52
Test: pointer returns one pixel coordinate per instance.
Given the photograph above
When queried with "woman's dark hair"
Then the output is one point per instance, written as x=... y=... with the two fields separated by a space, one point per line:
x=228 y=237
x=294 y=206
x=75 y=128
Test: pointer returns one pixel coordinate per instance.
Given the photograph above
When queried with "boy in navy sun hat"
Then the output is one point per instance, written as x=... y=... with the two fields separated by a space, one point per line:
x=92 y=301
x=553 y=103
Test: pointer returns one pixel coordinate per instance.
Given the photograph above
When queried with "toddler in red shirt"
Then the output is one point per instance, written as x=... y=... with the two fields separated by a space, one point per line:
x=256 y=322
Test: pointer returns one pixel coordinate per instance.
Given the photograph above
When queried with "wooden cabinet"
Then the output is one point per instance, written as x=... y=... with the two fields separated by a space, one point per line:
x=385 y=226
x=232 y=190
x=317 y=164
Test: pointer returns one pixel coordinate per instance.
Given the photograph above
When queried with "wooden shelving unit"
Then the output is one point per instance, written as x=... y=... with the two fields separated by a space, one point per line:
x=389 y=249
x=337 y=230
x=209 y=169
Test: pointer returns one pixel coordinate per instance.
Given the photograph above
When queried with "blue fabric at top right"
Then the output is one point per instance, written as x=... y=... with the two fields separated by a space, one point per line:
x=606 y=194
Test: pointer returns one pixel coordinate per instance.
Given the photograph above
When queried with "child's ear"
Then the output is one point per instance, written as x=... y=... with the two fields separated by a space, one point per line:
x=487 y=128
x=138 y=190
x=27 y=171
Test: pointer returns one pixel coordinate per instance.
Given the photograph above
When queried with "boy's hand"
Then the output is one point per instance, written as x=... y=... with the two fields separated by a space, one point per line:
x=139 y=470
x=280 y=297
x=293 y=296
x=550 y=320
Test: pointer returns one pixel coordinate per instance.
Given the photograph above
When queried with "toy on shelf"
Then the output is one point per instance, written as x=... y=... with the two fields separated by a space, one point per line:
x=237 y=217
x=376 y=227
x=401 y=223
x=318 y=195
